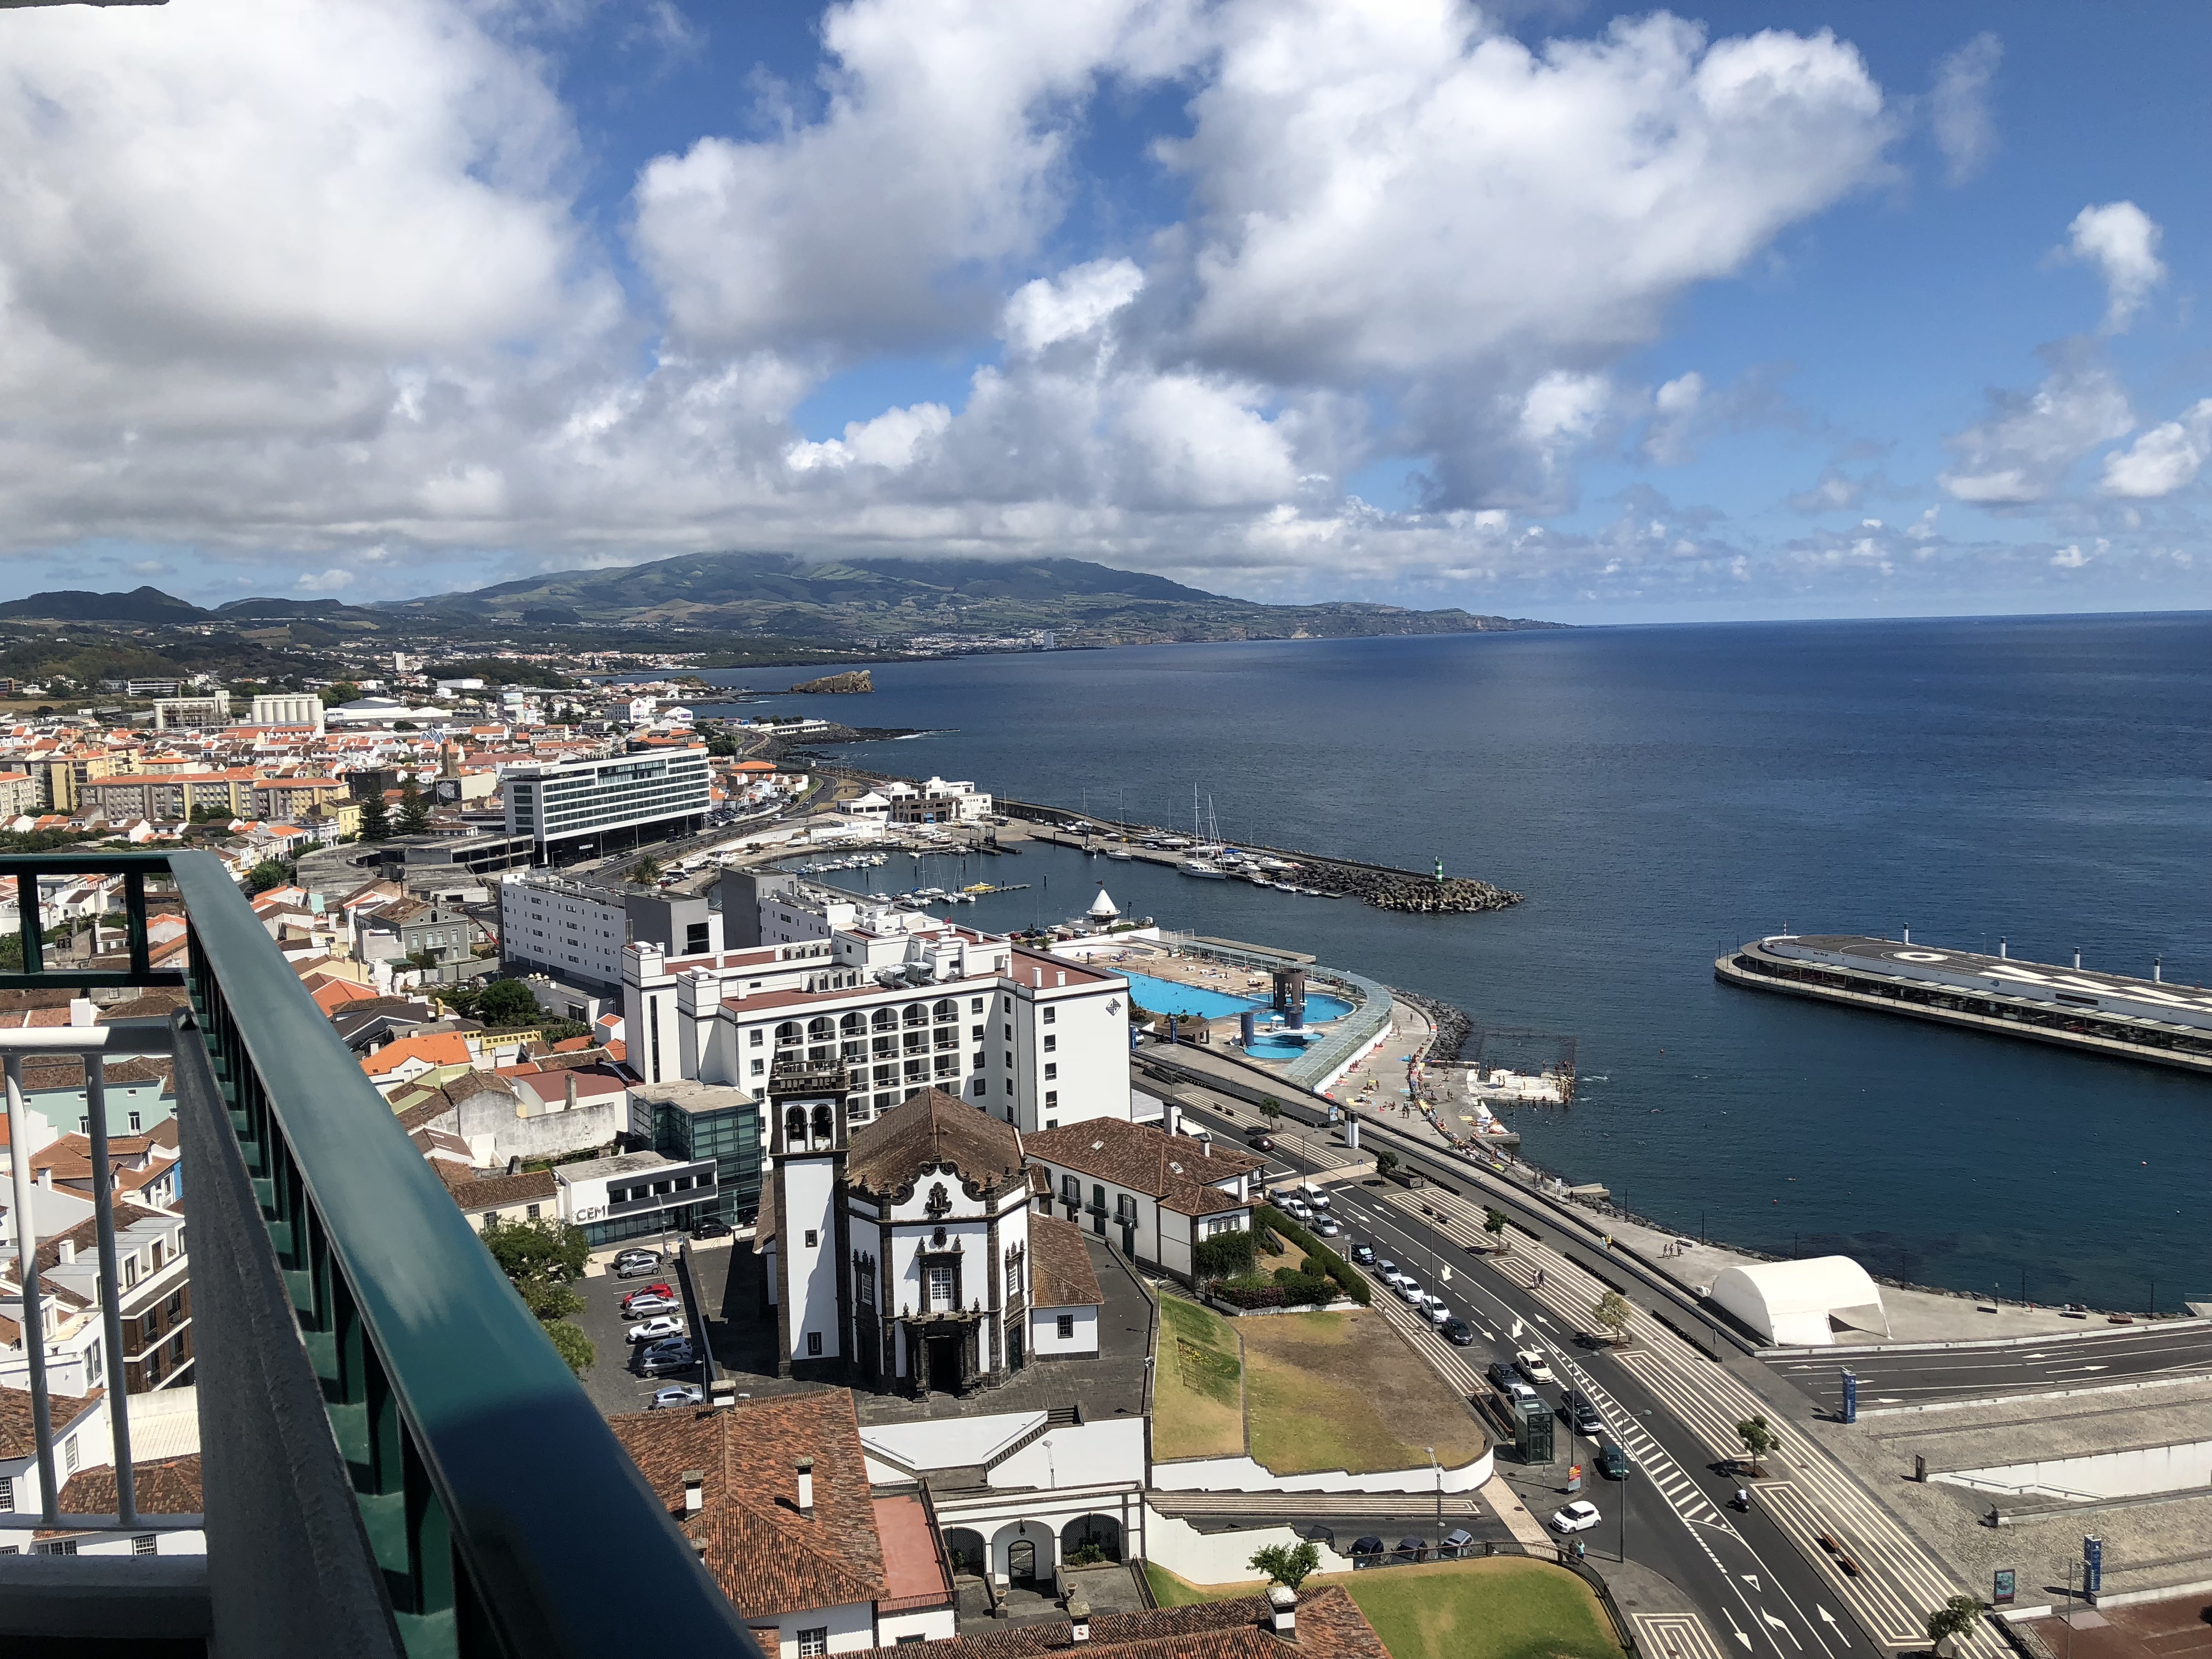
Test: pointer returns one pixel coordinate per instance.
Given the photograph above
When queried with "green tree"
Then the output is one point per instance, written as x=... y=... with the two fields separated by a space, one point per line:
x=1759 y=1438
x=375 y=820
x=269 y=872
x=1493 y=1223
x=1271 y=1109
x=414 y=811
x=546 y=1249
x=575 y=1348
x=1385 y=1159
x=1611 y=1316
x=344 y=691
x=1287 y=1565
x=1954 y=1618
x=507 y=1002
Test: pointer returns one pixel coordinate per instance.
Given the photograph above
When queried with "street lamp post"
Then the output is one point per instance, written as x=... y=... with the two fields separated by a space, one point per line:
x=1439 y=1468
x=1624 y=1479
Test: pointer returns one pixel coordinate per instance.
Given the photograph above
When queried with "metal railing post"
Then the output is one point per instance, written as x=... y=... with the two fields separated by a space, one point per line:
x=111 y=1289
x=33 y=1305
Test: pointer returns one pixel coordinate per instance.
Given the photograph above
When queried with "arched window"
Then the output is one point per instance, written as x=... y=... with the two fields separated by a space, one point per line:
x=945 y=1011
x=884 y=1020
x=786 y=1035
x=825 y=1123
x=852 y=1024
x=794 y=1126
x=916 y=1014
x=821 y=1029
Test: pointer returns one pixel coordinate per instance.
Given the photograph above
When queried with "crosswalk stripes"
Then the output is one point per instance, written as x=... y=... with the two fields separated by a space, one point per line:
x=1683 y=1495
x=1896 y=1624
x=1674 y=1636
x=1898 y=1580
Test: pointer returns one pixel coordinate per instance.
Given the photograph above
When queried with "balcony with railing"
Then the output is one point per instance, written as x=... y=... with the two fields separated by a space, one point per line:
x=393 y=1459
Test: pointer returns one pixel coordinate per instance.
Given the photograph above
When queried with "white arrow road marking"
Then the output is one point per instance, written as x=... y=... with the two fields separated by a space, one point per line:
x=1783 y=1628
x=2060 y=1370
x=1751 y=1579
x=1740 y=1636
x=1829 y=1619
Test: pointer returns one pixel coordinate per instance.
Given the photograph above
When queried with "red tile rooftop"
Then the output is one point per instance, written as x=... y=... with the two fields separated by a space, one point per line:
x=910 y=1567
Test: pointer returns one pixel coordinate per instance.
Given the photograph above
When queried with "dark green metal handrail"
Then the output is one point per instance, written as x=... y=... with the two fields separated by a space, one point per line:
x=506 y=1518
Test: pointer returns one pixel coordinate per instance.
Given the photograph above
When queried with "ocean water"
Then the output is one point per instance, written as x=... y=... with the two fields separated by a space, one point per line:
x=1657 y=795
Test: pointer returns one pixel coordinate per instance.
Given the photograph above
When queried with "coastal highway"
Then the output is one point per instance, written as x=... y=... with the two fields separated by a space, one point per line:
x=2093 y=1358
x=1751 y=1578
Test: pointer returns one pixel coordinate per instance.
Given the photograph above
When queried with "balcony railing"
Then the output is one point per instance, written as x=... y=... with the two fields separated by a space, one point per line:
x=394 y=1458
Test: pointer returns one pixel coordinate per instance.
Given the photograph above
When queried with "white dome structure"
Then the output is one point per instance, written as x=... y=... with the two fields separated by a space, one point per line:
x=1790 y=1303
x=1103 y=909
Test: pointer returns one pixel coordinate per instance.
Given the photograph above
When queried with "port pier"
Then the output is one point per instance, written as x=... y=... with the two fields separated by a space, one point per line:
x=2149 y=1021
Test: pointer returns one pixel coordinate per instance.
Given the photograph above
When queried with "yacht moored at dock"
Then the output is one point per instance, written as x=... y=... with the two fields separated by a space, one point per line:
x=2140 y=1019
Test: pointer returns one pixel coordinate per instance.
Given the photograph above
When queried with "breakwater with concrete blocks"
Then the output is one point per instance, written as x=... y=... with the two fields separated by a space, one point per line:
x=1408 y=892
x=2109 y=1014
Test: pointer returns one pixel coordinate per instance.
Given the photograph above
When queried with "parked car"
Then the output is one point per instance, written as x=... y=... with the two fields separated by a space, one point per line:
x=1581 y=1414
x=675 y=1394
x=1532 y=1366
x=1324 y=1228
x=1313 y=1195
x=643 y=1266
x=647 y=1307
x=1435 y=1309
x=1502 y=1375
x=654 y=1329
x=711 y=1229
x=1459 y=1333
x=663 y=1289
x=1612 y=1463
x=1410 y=1549
x=1577 y=1516
x=1364 y=1254
x=1385 y=1269
x=667 y=1356
x=1411 y=1293
x=1366 y=1552
x=1454 y=1544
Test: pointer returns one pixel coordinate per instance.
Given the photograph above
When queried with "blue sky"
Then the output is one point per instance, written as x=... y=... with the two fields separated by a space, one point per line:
x=1736 y=311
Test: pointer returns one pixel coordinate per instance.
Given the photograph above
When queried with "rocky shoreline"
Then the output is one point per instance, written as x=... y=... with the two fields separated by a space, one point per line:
x=1451 y=1025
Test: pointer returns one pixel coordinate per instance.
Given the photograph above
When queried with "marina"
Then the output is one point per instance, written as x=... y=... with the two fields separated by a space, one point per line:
x=2138 y=1019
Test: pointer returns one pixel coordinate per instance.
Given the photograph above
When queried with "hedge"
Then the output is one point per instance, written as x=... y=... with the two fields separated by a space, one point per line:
x=1335 y=1266
x=1223 y=1254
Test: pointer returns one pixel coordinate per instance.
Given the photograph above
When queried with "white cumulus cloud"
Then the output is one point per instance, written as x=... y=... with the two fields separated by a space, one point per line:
x=2121 y=242
x=2164 y=459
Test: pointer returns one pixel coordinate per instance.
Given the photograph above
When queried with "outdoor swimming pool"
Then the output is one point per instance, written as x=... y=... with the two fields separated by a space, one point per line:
x=1164 y=996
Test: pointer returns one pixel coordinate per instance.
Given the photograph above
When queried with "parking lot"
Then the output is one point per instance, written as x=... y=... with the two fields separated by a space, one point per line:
x=614 y=1383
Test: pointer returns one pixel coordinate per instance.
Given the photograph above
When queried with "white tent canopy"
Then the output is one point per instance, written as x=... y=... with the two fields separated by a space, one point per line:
x=1791 y=1303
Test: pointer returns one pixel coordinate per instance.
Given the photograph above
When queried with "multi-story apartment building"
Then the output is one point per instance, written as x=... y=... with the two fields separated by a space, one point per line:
x=19 y=794
x=173 y=713
x=575 y=931
x=904 y=1001
x=604 y=806
x=171 y=797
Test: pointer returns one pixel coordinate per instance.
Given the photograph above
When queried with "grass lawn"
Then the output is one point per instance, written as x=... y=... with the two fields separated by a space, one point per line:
x=1495 y=1608
x=1499 y=1608
x=1198 y=1385
x=1345 y=1391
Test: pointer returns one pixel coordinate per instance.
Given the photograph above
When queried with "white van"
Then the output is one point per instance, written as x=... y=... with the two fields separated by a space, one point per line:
x=1313 y=1195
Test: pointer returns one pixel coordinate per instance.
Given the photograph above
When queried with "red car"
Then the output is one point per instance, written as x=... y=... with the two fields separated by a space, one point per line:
x=650 y=1290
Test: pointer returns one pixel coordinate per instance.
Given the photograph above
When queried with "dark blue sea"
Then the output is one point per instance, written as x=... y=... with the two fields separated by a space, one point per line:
x=1656 y=794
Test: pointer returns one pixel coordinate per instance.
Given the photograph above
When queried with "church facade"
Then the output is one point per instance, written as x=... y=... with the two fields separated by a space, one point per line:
x=900 y=1255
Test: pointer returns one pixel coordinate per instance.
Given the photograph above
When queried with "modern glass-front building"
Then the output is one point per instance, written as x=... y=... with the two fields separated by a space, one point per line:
x=695 y=1121
x=608 y=805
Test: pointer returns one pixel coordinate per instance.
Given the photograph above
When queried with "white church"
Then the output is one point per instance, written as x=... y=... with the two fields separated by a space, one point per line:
x=905 y=1256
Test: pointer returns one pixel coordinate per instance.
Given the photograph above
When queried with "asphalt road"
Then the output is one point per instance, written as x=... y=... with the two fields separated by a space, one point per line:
x=2093 y=1358
x=1756 y=1593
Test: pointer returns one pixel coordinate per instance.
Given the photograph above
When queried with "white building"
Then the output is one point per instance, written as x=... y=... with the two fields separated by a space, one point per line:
x=571 y=931
x=571 y=806
x=1161 y=1195
x=287 y=708
x=900 y=1256
x=633 y=1194
x=904 y=999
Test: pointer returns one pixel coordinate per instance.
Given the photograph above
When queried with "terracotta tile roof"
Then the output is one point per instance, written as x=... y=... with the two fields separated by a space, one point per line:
x=425 y=1111
x=167 y=1485
x=911 y=1568
x=437 y=1048
x=1330 y=1626
x=498 y=1192
x=1060 y=1274
x=1172 y=1168
x=931 y=1127
x=768 y=1559
x=18 y=1437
